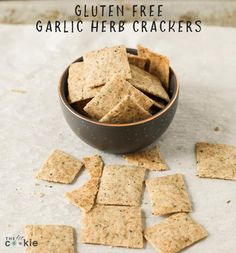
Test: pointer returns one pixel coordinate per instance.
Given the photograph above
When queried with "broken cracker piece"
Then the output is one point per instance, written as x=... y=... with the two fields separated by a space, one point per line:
x=137 y=60
x=158 y=65
x=60 y=167
x=147 y=82
x=126 y=111
x=121 y=185
x=50 y=238
x=150 y=159
x=94 y=165
x=216 y=161
x=113 y=225
x=84 y=197
x=168 y=194
x=101 y=65
x=77 y=88
x=111 y=94
x=174 y=233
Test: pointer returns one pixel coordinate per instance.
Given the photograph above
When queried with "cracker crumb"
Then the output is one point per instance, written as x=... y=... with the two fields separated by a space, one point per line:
x=18 y=90
x=217 y=129
x=40 y=194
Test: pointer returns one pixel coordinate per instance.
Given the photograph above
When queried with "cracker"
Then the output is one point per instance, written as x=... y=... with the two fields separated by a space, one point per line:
x=111 y=94
x=126 y=111
x=150 y=159
x=94 y=165
x=77 y=88
x=84 y=197
x=50 y=238
x=158 y=65
x=121 y=185
x=174 y=233
x=60 y=168
x=216 y=161
x=113 y=225
x=147 y=82
x=168 y=195
x=101 y=65
x=137 y=60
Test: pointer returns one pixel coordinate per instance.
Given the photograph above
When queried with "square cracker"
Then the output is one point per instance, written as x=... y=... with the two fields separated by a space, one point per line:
x=77 y=86
x=216 y=161
x=137 y=60
x=158 y=65
x=126 y=111
x=121 y=185
x=150 y=159
x=84 y=197
x=50 y=238
x=94 y=165
x=168 y=195
x=60 y=168
x=101 y=65
x=174 y=233
x=147 y=82
x=111 y=94
x=113 y=225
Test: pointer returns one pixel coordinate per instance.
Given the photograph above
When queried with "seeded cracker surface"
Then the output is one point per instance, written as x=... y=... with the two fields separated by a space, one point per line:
x=113 y=225
x=150 y=159
x=168 y=195
x=60 y=168
x=77 y=87
x=84 y=197
x=101 y=65
x=148 y=83
x=216 y=161
x=121 y=185
x=137 y=60
x=111 y=94
x=50 y=238
x=94 y=165
x=126 y=111
x=174 y=233
x=158 y=64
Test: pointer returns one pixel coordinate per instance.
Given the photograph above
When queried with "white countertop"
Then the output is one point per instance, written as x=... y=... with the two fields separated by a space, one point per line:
x=32 y=125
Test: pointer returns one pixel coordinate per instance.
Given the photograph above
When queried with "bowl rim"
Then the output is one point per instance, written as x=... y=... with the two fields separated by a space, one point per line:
x=70 y=108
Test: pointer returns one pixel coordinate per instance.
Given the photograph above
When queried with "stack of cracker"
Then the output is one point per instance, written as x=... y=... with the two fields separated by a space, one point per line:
x=112 y=86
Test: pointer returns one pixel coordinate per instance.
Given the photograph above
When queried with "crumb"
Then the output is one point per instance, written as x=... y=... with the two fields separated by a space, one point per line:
x=40 y=194
x=37 y=184
x=50 y=186
x=216 y=129
x=18 y=90
x=228 y=201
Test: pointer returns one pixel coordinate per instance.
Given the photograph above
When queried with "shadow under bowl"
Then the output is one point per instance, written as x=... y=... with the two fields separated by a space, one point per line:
x=119 y=138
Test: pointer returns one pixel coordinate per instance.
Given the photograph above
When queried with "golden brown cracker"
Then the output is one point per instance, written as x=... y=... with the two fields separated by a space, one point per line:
x=111 y=94
x=50 y=238
x=126 y=111
x=216 y=161
x=121 y=185
x=168 y=194
x=60 y=167
x=150 y=159
x=113 y=225
x=174 y=233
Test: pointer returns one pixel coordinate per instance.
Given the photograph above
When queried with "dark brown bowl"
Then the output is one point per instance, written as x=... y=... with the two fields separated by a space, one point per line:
x=122 y=138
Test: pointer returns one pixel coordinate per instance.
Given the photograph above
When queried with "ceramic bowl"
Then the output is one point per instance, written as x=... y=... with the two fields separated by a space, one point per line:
x=119 y=138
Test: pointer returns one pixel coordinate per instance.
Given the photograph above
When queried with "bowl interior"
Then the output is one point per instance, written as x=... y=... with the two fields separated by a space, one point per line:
x=63 y=90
